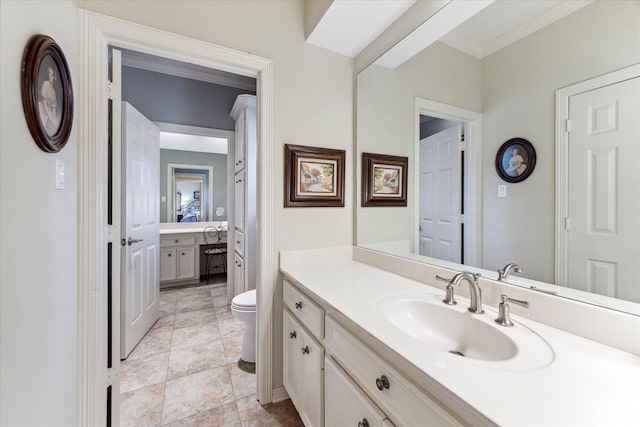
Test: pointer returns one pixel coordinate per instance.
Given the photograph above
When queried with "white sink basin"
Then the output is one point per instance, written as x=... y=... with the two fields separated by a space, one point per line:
x=455 y=331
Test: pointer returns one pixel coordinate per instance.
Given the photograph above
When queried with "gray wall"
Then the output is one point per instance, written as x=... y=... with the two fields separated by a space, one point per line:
x=434 y=126
x=219 y=163
x=170 y=99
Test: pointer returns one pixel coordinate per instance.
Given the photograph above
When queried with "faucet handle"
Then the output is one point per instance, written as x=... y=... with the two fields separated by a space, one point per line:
x=504 y=317
x=443 y=279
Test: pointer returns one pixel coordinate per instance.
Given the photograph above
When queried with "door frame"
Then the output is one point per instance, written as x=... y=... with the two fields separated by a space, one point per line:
x=472 y=178
x=562 y=157
x=97 y=34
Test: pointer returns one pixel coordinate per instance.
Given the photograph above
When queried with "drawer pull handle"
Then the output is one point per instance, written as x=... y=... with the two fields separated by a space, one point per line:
x=292 y=335
x=169 y=255
x=177 y=240
x=382 y=383
x=182 y=253
x=305 y=349
x=299 y=305
x=363 y=423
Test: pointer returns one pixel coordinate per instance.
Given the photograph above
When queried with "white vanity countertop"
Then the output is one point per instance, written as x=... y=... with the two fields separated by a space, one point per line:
x=182 y=230
x=581 y=383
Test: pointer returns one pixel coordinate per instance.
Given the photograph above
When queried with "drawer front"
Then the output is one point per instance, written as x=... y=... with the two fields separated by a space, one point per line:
x=403 y=403
x=239 y=236
x=309 y=313
x=345 y=403
x=177 y=241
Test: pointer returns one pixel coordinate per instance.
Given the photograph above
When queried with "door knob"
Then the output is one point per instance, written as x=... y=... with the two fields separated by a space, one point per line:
x=131 y=241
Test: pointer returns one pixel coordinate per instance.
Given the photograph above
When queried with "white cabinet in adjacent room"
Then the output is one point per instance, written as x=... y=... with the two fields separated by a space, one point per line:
x=178 y=260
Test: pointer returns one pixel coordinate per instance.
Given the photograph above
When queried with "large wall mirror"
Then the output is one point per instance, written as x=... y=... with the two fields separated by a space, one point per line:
x=493 y=78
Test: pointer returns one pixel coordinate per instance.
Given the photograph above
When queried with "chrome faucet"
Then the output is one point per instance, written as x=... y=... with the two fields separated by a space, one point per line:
x=503 y=274
x=475 y=305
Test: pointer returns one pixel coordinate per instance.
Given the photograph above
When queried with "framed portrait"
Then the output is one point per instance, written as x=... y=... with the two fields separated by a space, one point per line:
x=314 y=177
x=384 y=180
x=47 y=95
x=515 y=160
x=196 y=195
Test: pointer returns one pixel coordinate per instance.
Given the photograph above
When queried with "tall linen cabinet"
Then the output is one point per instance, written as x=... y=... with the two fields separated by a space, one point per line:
x=244 y=194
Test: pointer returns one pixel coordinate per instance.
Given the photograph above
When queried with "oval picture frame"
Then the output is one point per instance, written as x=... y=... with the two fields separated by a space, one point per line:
x=515 y=160
x=47 y=95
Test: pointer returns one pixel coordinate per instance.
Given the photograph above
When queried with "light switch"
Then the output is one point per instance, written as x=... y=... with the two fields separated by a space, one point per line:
x=60 y=174
x=502 y=191
x=163 y=199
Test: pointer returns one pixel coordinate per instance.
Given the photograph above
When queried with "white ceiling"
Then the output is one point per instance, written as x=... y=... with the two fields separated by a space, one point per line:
x=348 y=26
x=184 y=142
x=477 y=27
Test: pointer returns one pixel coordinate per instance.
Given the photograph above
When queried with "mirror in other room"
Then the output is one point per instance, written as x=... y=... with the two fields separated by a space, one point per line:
x=489 y=80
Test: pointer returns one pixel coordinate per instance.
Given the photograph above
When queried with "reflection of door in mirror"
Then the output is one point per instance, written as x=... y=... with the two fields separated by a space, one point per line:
x=192 y=189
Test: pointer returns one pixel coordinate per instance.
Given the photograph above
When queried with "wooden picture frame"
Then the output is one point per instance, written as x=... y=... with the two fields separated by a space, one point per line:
x=314 y=177
x=47 y=95
x=384 y=180
x=515 y=160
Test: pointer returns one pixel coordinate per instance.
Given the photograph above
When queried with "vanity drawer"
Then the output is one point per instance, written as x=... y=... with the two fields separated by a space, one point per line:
x=403 y=403
x=308 y=312
x=177 y=241
x=239 y=237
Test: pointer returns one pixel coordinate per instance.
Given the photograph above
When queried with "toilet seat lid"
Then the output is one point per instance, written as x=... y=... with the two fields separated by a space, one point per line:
x=245 y=299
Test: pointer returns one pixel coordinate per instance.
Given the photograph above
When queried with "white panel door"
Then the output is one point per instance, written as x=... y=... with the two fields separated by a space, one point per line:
x=440 y=195
x=140 y=283
x=604 y=184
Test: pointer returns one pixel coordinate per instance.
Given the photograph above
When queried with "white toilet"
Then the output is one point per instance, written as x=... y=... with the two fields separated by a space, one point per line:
x=243 y=307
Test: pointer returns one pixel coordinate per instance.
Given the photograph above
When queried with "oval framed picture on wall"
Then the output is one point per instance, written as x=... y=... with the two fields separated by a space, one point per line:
x=515 y=160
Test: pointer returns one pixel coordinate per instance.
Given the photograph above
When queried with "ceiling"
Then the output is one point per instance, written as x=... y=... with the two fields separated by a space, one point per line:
x=478 y=27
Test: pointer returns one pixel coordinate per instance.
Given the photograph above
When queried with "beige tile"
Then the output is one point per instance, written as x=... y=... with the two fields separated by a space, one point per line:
x=194 y=302
x=163 y=323
x=195 y=359
x=140 y=373
x=169 y=296
x=194 y=335
x=244 y=383
x=187 y=396
x=220 y=300
x=195 y=318
x=142 y=407
x=274 y=414
x=224 y=312
x=219 y=290
x=232 y=348
x=152 y=344
x=167 y=308
x=230 y=327
x=193 y=292
x=225 y=416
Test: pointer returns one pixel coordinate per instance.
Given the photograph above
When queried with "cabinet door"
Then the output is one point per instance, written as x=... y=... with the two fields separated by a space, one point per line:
x=186 y=262
x=345 y=403
x=239 y=147
x=239 y=274
x=312 y=380
x=168 y=264
x=291 y=357
x=239 y=192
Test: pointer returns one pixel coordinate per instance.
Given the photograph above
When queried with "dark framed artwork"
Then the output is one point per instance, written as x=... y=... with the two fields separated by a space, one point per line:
x=515 y=160
x=314 y=177
x=196 y=195
x=47 y=95
x=384 y=180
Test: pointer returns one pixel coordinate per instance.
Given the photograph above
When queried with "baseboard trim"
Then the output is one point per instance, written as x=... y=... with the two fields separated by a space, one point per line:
x=279 y=394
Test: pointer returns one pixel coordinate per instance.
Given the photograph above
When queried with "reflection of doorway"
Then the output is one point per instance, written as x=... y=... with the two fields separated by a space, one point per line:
x=98 y=349
x=191 y=191
x=469 y=181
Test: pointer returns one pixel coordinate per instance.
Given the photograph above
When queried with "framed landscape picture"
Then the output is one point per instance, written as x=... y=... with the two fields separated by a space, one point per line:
x=314 y=177
x=384 y=180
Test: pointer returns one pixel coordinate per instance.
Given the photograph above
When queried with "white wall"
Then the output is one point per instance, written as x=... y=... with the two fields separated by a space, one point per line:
x=312 y=102
x=38 y=302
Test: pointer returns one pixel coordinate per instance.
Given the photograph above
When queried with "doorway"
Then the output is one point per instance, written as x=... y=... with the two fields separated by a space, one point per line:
x=463 y=211
x=99 y=295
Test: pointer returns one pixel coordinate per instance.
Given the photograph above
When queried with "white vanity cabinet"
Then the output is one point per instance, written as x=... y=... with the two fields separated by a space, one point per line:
x=179 y=260
x=352 y=386
x=303 y=358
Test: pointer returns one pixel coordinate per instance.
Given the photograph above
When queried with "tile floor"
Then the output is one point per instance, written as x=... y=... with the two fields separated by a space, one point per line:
x=186 y=370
